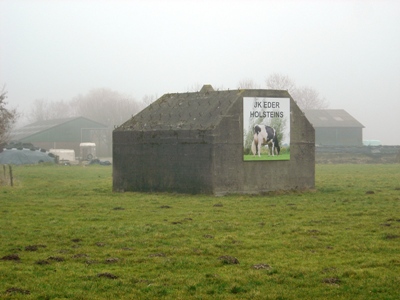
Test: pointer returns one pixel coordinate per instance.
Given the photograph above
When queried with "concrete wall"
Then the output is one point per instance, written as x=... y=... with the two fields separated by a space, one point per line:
x=211 y=161
x=173 y=161
x=233 y=175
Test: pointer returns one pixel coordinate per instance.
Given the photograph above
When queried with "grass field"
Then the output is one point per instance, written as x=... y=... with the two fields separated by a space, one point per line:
x=251 y=157
x=65 y=235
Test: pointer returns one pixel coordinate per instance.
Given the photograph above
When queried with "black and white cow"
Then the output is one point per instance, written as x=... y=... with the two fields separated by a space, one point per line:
x=265 y=135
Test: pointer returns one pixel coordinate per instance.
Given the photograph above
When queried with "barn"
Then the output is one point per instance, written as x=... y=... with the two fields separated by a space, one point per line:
x=335 y=127
x=65 y=133
x=194 y=143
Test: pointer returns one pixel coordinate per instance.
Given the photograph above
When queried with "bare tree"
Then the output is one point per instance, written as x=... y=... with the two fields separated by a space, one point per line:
x=247 y=84
x=148 y=99
x=8 y=117
x=305 y=97
x=42 y=110
x=194 y=88
x=278 y=81
x=105 y=106
x=309 y=98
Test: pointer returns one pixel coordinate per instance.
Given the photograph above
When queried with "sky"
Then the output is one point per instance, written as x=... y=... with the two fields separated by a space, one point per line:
x=349 y=51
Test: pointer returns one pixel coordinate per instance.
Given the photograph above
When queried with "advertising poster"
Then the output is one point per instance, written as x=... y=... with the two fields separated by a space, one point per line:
x=266 y=128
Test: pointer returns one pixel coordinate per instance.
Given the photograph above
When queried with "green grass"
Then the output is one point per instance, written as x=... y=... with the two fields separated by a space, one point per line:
x=251 y=157
x=339 y=241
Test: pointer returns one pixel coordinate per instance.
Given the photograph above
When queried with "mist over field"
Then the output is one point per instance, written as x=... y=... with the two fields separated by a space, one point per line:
x=347 y=51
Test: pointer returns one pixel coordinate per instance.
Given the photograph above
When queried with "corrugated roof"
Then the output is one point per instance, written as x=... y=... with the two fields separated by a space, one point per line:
x=200 y=110
x=331 y=118
x=41 y=126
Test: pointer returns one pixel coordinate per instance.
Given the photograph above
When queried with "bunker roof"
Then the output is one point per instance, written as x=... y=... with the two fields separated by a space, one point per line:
x=184 y=111
x=331 y=118
x=201 y=110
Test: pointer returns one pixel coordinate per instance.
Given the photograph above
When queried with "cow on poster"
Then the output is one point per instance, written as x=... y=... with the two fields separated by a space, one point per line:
x=266 y=128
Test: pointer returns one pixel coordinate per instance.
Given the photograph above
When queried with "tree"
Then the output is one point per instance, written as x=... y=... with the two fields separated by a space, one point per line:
x=106 y=106
x=148 y=99
x=8 y=117
x=305 y=97
x=247 y=84
x=278 y=81
x=42 y=110
x=309 y=98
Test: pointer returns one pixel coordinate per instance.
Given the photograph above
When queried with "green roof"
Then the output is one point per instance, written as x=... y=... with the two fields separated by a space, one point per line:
x=42 y=126
x=331 y=118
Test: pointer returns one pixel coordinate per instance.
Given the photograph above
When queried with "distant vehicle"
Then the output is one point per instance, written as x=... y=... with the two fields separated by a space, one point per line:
x=88 y=151
x=372 y=143
x=64 y=155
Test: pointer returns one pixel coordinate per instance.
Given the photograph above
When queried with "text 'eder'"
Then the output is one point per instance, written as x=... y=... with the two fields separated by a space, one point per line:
x=266 y=104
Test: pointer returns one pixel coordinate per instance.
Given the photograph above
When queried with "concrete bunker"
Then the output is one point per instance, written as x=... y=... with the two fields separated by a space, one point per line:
x=195 y=143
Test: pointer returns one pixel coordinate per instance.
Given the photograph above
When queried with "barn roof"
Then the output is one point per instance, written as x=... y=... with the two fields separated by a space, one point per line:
x=185 y=111
x=41 y=126
x=331 y=118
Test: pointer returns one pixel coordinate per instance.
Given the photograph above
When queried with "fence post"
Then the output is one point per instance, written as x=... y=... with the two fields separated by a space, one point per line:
x=11 y=177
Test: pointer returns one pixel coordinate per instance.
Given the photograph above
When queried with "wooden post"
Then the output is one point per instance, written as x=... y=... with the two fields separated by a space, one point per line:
x=11 y=177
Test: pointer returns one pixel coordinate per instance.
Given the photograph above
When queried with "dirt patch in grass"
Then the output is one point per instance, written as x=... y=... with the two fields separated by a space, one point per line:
x=112 y=260
x=261 y=267
x=76 y=240
x=91 y=262
x=218 y=205
x=158 y=255
x=391 y=236
x=107 y=275
x=118 y=208
x=56 y=258
x=16 y=290
x=11 y=257
x=370 y=192
x=208 y=236
x=331 y=280
x=228 y=260
x=34 y=247
x=165 y=206
x=80 y=255
x=48 y=260
x=393 y=220
x=126 y=249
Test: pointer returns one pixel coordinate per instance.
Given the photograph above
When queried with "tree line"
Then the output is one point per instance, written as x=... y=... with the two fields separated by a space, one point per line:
x=306 y=97
x=112 y=108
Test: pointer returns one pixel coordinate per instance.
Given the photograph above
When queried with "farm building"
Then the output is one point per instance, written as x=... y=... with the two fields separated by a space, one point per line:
x=193 y=143
x=65 y=133
x=335 y=127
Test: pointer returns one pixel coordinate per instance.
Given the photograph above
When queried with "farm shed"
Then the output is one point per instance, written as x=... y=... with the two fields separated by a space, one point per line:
x=335 y=127
x=193 y=143
x=65 y=133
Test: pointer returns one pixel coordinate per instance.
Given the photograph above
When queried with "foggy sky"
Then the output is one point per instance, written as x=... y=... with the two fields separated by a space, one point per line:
x=349 y=51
